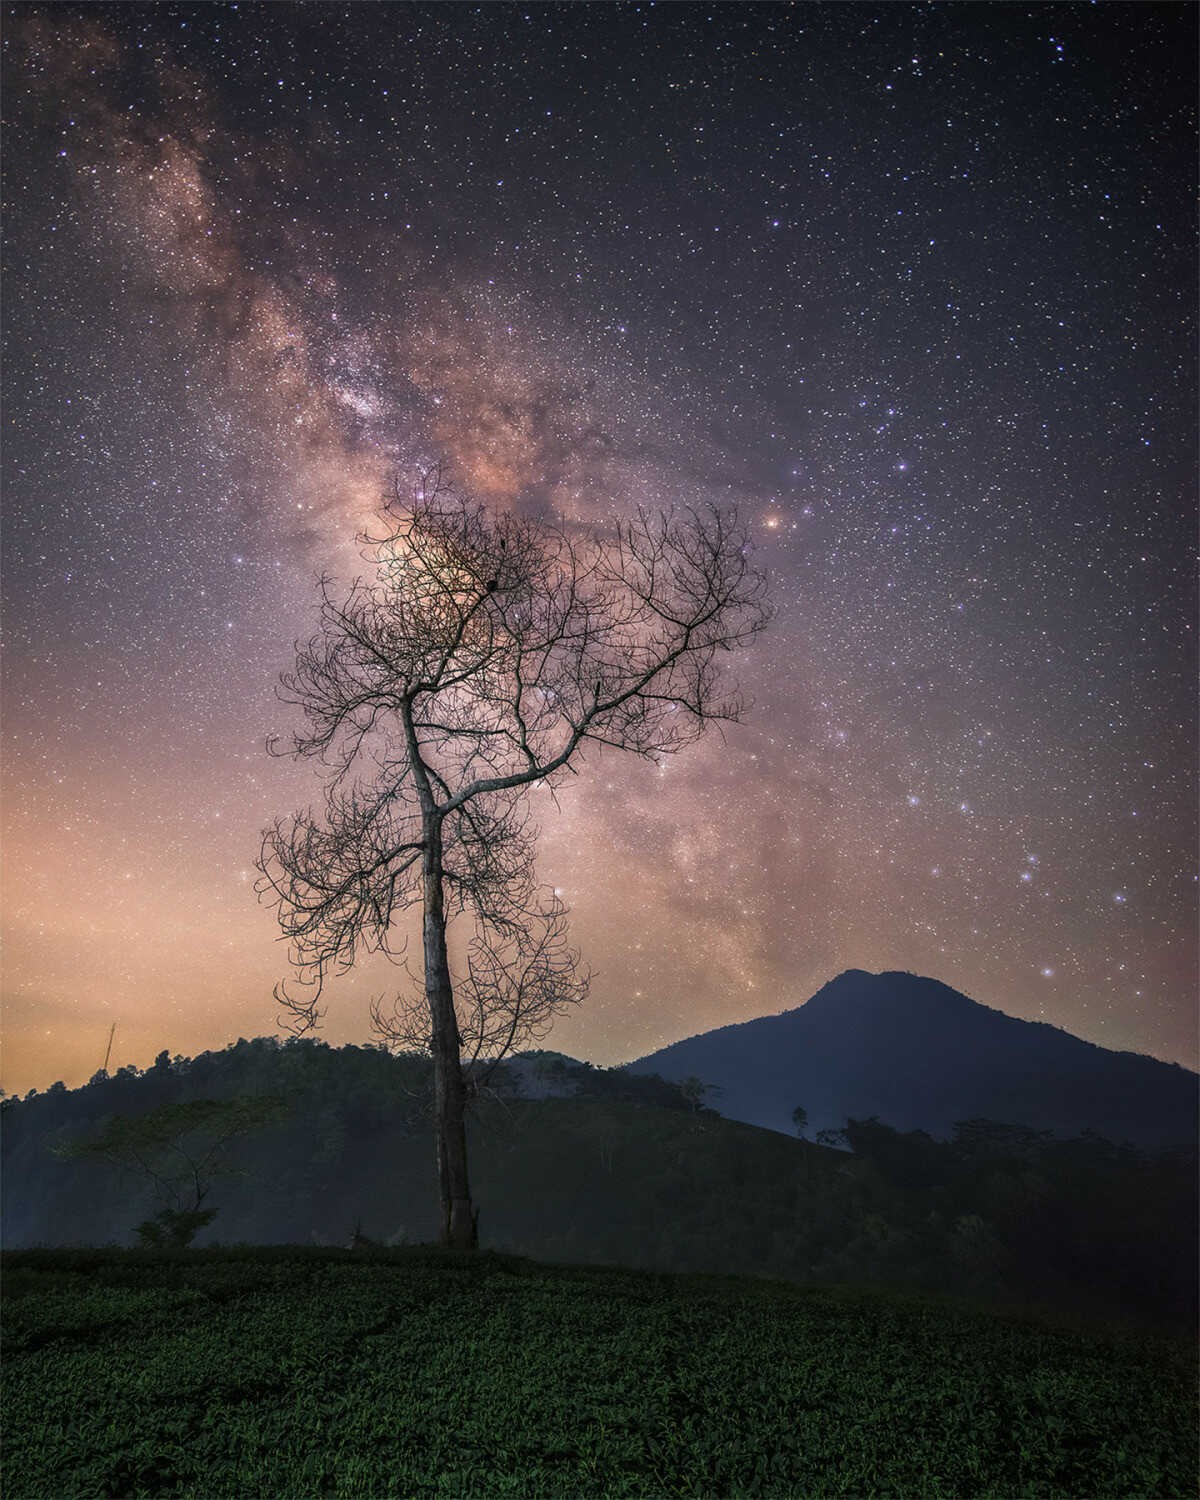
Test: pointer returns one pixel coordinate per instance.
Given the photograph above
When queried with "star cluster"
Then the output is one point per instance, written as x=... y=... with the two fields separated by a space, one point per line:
x=913 y=286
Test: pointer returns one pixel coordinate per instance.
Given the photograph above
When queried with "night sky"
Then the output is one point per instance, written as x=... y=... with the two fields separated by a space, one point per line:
x=912 y=286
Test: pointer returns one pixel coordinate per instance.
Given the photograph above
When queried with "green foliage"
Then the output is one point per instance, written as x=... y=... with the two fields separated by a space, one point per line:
x=695 y=1091
x=621 y=1170
x=599 y=1181
x=422 y=1372
x=174 y=1229
x=180 y=1148
x=144 y=1141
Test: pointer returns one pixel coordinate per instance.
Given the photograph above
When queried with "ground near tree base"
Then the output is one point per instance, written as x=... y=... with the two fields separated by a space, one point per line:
x=289 y=1372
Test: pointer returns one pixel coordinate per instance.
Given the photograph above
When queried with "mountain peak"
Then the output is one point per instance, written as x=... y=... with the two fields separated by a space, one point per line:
x=891 y=982
x=919 y=1054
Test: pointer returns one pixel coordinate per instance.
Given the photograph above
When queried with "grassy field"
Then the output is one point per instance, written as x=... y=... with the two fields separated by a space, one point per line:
x=292 y=1372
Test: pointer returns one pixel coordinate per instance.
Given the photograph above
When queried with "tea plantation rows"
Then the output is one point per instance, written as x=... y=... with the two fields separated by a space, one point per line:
x=294 y=1373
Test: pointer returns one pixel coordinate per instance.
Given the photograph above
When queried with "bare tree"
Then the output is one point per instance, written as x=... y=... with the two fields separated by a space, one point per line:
x=518 y=977
x=484 y=656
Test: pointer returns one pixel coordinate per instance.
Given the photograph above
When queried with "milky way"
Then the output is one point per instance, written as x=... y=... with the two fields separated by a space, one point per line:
x=913 y=287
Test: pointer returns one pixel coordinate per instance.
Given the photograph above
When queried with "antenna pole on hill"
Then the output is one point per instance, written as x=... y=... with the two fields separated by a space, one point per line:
x=108 y=1053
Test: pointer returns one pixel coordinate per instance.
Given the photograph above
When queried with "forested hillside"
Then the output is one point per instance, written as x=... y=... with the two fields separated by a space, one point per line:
x=614 y=1168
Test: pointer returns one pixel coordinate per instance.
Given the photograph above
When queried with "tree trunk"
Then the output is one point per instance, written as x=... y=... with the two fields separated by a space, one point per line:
x=458 y=1220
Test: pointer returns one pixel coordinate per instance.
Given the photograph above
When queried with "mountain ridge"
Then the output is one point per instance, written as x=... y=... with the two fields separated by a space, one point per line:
x=921 y=1055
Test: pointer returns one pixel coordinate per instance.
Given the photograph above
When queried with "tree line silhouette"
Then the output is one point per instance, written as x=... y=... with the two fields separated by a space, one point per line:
x=607 y=1167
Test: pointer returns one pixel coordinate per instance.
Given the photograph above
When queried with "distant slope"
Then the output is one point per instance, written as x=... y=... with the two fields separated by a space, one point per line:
x=616 y=1167
x=920 y=1055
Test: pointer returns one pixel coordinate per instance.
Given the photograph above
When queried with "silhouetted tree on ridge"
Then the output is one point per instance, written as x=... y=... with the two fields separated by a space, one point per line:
x=486 y=655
